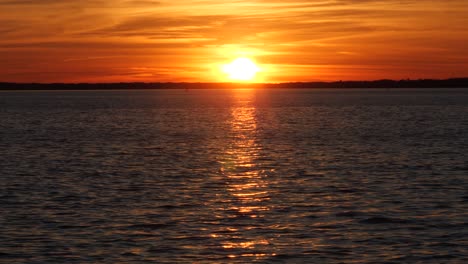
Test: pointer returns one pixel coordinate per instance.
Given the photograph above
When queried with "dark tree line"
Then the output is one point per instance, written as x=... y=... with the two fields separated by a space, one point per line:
x=386 y=84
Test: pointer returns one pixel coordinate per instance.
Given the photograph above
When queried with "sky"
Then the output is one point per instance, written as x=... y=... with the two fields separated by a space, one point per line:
x=190 y=40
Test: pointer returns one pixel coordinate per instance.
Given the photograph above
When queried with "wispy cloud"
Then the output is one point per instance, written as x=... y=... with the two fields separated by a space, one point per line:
x=333 y=37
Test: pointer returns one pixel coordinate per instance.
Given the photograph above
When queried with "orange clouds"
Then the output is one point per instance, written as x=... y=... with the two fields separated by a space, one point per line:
x=297 y=40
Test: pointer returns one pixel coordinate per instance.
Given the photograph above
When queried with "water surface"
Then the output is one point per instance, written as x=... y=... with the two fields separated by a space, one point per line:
x=234 y=176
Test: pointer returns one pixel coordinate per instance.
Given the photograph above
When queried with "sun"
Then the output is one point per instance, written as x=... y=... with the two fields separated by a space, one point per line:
x=241 y=69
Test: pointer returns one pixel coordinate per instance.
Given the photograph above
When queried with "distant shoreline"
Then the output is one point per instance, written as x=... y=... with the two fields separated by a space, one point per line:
x=385 y=84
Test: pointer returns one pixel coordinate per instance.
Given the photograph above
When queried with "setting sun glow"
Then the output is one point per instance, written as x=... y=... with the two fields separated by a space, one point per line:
x=243 y=41
x=241 y=69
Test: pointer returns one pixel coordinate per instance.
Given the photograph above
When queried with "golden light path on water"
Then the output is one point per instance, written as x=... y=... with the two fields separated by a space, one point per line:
x=247 y=187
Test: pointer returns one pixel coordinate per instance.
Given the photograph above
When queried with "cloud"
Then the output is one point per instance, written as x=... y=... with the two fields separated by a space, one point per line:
x=378 y=33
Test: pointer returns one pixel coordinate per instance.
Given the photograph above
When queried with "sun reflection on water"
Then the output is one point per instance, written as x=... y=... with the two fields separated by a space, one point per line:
x=247 y=196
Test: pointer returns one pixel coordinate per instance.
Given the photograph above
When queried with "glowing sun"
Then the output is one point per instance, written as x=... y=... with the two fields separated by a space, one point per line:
x=241 y=69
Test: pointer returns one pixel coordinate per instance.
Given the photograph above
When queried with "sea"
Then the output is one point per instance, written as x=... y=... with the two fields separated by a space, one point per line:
x=234 y=176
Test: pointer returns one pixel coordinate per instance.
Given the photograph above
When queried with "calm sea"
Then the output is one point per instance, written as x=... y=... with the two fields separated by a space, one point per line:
x=234 y=176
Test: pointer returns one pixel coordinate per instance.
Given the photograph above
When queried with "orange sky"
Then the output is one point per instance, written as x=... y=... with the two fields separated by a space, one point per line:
x=189 y=40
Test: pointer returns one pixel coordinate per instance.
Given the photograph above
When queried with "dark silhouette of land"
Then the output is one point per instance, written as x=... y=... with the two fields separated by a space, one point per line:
x=385 y=84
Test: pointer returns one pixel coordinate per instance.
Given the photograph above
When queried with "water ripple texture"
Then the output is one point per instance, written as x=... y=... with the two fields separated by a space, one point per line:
x=234 y=176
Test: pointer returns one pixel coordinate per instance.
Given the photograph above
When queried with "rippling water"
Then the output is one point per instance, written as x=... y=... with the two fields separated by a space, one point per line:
x=234 y=176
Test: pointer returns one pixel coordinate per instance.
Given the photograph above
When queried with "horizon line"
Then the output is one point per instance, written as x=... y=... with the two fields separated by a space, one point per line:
x=241 y=83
